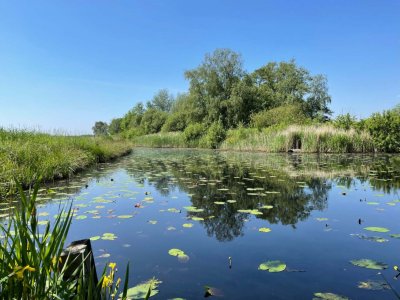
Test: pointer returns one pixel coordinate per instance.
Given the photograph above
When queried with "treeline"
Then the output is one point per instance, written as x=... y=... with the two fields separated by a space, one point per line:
x=223 y=96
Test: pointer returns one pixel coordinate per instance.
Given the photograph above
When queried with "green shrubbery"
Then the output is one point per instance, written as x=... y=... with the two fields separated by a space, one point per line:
x=282 y=115
x=385 y=130
x=175 y=122
x=214 y=136
x=193 y=133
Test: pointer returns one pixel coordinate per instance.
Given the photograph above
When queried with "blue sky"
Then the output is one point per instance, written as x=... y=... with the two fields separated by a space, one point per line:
x=66 y=64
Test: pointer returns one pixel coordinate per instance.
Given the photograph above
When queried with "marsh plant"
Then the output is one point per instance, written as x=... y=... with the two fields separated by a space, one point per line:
x=31 y=259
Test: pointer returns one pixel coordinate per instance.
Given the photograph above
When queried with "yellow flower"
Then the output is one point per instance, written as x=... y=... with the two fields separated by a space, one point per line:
x=112 y=265
x=19 y=271
x=107 y=281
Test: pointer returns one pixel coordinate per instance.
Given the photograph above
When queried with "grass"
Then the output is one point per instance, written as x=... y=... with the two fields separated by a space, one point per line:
x=313 y=139
x=24 y=154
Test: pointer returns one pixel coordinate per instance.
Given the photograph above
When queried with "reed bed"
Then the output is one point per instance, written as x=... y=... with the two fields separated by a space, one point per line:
x=24 y=154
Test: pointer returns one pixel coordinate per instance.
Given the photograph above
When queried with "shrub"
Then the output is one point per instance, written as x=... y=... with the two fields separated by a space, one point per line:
x=193 y=132
x=214 y=136
x=175 y=122
x=346 y=121
x=153 y=120
x=385 y=130
x=283 y=115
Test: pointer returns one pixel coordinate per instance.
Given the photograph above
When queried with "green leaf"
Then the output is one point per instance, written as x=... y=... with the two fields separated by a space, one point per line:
x=369 y=264
x=140 y=291
x=175 y=252
x=272 y=266
x=125 y=216
x=377 y=229
x=264 y=229
x=329 y=296
x=188 y=225
x=374 y=285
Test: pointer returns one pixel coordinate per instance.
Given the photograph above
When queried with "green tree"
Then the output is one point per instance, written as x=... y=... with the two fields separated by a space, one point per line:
x=115 y=126
x=162 y=100
x=318 y=99
x=345 y=121
x=212 y=82
x=100 y=128
x=153 y=120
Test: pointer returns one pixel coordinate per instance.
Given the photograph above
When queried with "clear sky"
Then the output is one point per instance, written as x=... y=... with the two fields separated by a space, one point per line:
x=66 y=64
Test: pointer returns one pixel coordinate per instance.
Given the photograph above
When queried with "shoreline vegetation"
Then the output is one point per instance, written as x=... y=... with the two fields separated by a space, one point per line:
x=278 y=107
x=26 y=154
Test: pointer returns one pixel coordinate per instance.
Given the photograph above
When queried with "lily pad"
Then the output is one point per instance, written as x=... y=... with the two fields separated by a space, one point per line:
x=377 y=229
x=267 y=207
x=175 y=252
x=108 y=236
x=369 y=264
x=272 y=266
x=140 y=291
x=322 y=219
x=376 y=239
x=329 y=296
x=170 y=228
x=173 y=210
x=81 y=217
x=219 y=202
x=188 y=225
x=264 y=229
x=125 y=216
x=374 y=285
x=95 y=238
x=197 y=219
x=153 y=222
x=372 y=203
x=395 y=235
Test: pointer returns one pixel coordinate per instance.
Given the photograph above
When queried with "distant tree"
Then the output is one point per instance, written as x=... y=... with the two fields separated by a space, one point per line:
x=100 y=128
x=318 y=99
x=162 y=100
x=212 y=82
x=115 y=126
x=133 y=117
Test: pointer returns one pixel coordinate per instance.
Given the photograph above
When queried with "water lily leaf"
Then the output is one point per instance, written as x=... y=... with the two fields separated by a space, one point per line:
x=108 y=236
x=183 y=258
x=369 y=264
x=329 y=296
x=171 y=228
x=267 y=207
x=264 y=229
x=153 y=222
x=193 y=209
x=173 y=210
x=140 y=291
x=104 y=255
x=374 y=285
x=376 y=239
x=219 y=202
x=231 y=201
x=175 y=252
x=322 y=219
x=272 y=266
x=197 y=219
x=188 y=225
x=395 y=235
x=125 y=216
x=372 y=203
x=377 y=229
x=81 y=217
x=43 y=214
x=95 y=238
x=43 y=222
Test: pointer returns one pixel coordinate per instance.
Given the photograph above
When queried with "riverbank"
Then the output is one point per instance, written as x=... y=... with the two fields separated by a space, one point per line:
x=307 y=139
x=25 y=154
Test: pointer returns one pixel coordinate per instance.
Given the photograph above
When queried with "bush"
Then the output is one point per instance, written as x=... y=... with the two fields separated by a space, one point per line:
x=346 y=121
x=175 y=122
x=193 y=132
x=214 y=136
x=153 y=120
x=385 y=130
x=281 y=115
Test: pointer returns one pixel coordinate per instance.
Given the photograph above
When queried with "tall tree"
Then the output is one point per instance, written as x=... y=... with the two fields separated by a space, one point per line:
x=100 y=128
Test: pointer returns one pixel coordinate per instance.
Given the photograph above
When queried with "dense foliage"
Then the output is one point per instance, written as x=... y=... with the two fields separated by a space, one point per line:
x=222 y=96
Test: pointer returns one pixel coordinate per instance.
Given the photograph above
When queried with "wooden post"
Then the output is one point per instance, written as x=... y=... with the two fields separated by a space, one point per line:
x=73 y=256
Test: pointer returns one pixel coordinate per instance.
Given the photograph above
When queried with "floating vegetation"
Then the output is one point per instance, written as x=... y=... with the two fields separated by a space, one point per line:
x=395 y=235
x=182 y=257
x=329 y=296
x=250 y=211
x=125 y=216
x=321 y=219
x=231 y=201
x=272 y=266
x=374 y=285
x=188 y=225
x=81 y=217
x=173 y=210
x=372 y=203
x=377 y=229
x=141 y=291
x=264 y=229
x=219 y=202
x=153 y=222
x=108 y=236
x=376 y=239
x=95 y=238
x=267 y=207
x=369 y=264
x=193 y=209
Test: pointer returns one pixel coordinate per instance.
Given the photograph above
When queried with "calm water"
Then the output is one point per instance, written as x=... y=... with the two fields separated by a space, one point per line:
x=312 y=205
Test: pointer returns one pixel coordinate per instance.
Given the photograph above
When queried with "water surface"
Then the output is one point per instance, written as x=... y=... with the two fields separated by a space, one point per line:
x=316 y=208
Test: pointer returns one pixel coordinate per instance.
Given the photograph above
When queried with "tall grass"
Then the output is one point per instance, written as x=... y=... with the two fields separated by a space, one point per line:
x=313 y=139
x=23 y=154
